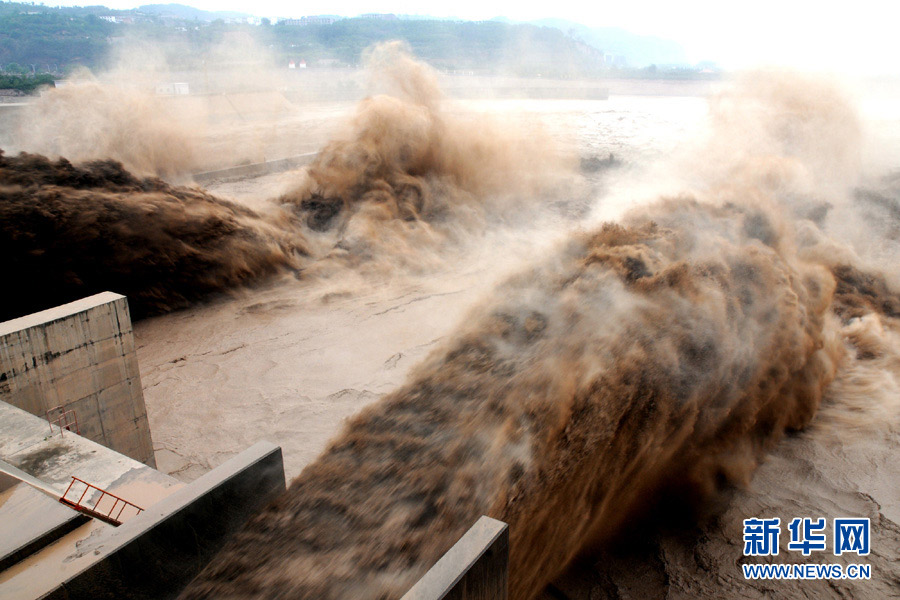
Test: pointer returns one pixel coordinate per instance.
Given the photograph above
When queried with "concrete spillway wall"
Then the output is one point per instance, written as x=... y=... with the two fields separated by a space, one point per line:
x=81 y=356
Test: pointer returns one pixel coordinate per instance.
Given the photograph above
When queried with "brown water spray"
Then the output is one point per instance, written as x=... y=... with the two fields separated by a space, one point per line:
x=632 y=357
x=670 y=350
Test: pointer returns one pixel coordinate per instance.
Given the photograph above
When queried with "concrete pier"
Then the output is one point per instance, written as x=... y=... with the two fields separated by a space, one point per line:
x=36 y=468
x=155 y=554
x=79 y=356
x=475 y=568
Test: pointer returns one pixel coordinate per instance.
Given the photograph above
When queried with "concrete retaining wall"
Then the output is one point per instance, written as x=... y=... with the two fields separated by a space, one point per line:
x=153 y=556
x=80 y=355
x=475 y=568
x=255 y=169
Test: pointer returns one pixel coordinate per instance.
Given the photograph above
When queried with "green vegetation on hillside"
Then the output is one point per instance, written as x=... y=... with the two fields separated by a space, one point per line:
x=21 y=82
x=49 y=40
x=37 y=38
x=450 y=45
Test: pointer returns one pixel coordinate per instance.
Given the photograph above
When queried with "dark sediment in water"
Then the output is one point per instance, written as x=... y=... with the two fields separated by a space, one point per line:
x=69 y=231
x=859 y=293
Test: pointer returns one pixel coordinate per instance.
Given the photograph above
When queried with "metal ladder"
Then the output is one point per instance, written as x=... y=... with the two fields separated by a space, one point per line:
x=92 y=507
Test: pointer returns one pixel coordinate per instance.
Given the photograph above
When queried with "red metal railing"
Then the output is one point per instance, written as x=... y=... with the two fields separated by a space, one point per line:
x=66 y=420
x=96 y=507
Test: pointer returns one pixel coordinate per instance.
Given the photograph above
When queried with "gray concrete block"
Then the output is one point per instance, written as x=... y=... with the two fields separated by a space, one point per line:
x=69 y=362
x=123 y=314
x=132 y=368
x=106 y=350
x=57 y=313
x=109 y=374
x=61 y=335
x=72 y=387
x=101 y=324
x=30 y=399
x=255 y=169
x=475 y=568
x=126 y=435
x=127 y=445
x=76 y=352
x=127 y=341
x=88 y=418
x=116 y=403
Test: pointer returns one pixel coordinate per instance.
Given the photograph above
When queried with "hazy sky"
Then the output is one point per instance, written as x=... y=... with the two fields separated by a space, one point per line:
x=846 y=36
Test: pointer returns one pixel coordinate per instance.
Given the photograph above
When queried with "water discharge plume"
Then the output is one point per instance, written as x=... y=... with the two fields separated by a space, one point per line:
x=791 y=118
x=661 y=354
x=407 y=167
x=405 y=179
x=634 y=357
x=89 y=120
x=72 y=231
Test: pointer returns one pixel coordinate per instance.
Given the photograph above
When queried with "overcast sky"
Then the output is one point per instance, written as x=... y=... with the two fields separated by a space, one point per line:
x=847 y=36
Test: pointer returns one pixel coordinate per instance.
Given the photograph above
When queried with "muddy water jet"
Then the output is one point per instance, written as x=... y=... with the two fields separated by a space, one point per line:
x=673 y=348
x=632 y=356
x=69 y=231
x=410 y=173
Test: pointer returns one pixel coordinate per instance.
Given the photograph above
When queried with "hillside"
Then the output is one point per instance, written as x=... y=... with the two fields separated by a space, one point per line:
x=188 y=13
x=449 y=45
x=623 y=46
x=37 y=38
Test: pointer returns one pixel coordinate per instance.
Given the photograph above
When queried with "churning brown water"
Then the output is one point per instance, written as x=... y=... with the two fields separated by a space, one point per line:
x=669 y=350
x=637 y=355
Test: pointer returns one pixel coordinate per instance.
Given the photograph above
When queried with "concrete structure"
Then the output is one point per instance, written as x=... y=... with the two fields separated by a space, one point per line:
x=53 y=545
x=79 y=356
x=48 y=461
x=31 y=521
x=255 y=169
x=77 y=518
x=475 y=568
x=36 y=469
x=154 y=555
x=49 y=550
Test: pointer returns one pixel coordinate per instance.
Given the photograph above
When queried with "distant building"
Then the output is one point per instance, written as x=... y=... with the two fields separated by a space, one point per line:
x=172 y=89
x=317 y=20
x=115 y=19
x=379 y=16
x=309 y=20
